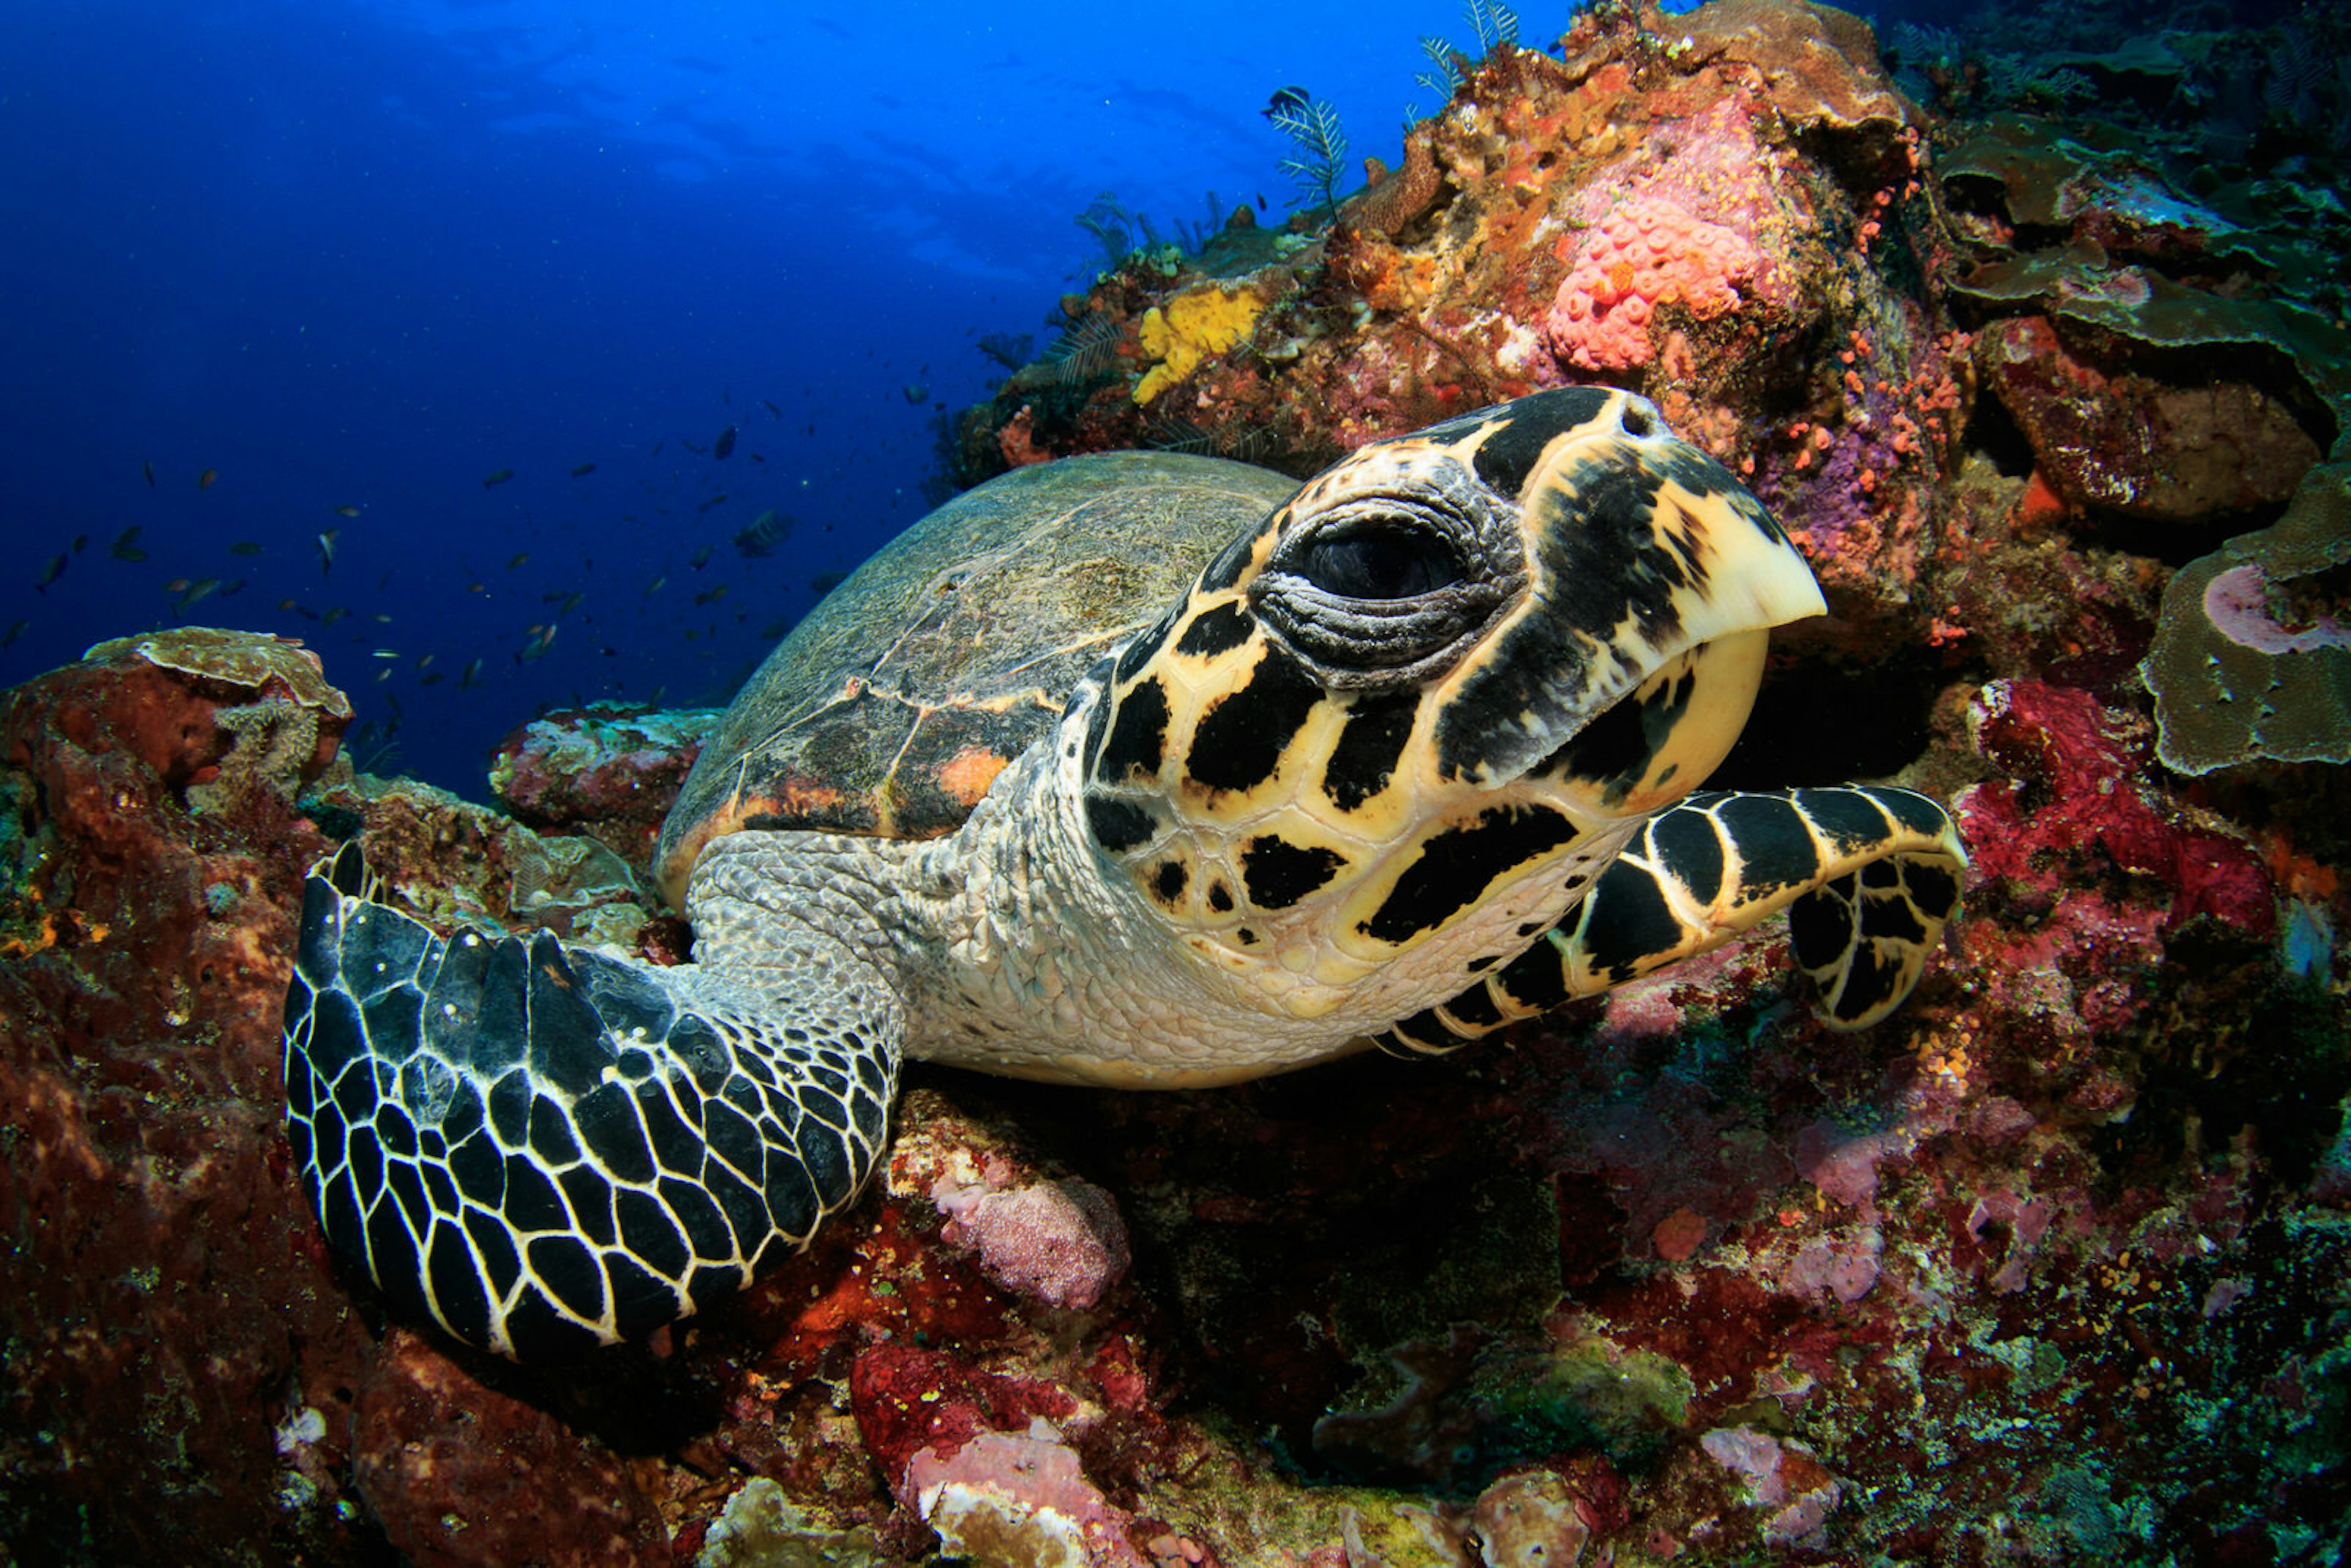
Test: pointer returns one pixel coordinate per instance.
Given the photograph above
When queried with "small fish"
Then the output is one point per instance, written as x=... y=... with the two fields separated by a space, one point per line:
x=724 y=447
x=327 y=551
x=81 y=543
x=385 y=654
x=177 y=585
x=434 y=679
x=148 y=468
x=49 y=574
x=657 y=446
x=1286 y=101
x=200 y=589
x=123 y=549
x=15 y=630
x=233 y=585
x=520 y=556
x=717 y=500
x=380 y=618
x=204 y=480
x=656 y=586
x=382 y=675
x=425 y=663
x=824 y=582
x=497 y=476
x=655 y=700
x=767 y=531
x=346 y=511
x=917 y=392
x=287 y=603
x=334 y=612
x=306 y=612
x=570 y=602
x=690 y=446
x=471 y=677
x=759 y=457
x=710 y=596
x=394 y=704
x=771 y=407
x=245 y=546
x=773 y=630
x=700 y=558
x=582 y=471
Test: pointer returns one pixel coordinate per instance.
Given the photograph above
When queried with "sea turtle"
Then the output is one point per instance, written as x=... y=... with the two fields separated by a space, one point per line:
x=1035 y=791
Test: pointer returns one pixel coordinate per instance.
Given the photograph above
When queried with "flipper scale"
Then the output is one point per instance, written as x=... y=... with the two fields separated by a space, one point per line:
x=469 y=1114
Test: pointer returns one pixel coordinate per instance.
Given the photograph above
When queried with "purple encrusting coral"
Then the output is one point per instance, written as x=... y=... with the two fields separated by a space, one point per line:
x=2054 y=1266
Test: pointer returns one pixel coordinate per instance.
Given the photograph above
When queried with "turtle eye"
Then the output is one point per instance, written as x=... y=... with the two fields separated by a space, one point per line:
x=1378 y=561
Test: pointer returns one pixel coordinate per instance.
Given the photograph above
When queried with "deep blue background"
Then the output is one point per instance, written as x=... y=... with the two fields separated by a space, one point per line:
x=366 y=253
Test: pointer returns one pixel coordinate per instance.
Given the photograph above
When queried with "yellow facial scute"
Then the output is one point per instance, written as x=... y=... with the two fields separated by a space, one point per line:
x=1191 y=326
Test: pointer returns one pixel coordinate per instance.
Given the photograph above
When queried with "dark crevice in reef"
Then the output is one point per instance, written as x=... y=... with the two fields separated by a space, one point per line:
x=1830 y=722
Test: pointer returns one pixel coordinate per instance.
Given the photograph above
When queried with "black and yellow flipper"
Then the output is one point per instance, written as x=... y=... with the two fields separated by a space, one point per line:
x=1868 y=874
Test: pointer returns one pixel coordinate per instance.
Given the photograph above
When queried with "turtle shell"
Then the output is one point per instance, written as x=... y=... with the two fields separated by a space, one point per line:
x=892 y=706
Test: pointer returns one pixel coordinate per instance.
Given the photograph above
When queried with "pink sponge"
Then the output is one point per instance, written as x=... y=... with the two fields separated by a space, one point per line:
x=1060 y=1242
x=1648 y=252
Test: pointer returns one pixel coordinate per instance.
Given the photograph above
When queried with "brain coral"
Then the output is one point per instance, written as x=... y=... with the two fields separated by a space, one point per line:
x=1648 y=252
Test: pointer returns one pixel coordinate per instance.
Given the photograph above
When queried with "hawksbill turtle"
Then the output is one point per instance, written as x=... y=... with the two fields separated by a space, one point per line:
x=1141 y=769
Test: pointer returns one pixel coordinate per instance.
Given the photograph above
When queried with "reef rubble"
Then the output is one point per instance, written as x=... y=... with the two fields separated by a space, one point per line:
x=2054 y=1266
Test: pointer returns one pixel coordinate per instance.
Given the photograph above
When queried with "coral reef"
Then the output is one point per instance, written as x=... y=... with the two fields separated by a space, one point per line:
x=2247 y=666
x=2054 y=1266
x=608 y=770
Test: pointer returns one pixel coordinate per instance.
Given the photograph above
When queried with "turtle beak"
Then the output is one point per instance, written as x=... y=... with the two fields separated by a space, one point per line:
x=1652 y=574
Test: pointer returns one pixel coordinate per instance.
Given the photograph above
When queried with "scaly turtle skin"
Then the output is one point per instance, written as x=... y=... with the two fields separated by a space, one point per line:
x=1410 y=757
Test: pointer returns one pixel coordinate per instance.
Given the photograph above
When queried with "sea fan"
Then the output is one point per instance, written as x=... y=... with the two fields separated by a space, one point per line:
x=1493 y=23
x=1193 y=237
x=1084 y=351
x=1011 y=349
x=1119 y=233
x=1445 y=79
x=1313 y=129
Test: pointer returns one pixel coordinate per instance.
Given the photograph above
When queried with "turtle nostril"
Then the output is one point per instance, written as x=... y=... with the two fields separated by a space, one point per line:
x=1636 y=421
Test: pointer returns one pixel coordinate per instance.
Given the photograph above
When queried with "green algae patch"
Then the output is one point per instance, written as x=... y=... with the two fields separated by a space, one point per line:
x=1588 y=1390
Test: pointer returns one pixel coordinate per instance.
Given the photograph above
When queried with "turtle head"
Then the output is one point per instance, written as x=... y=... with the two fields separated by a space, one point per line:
x=1414 y=710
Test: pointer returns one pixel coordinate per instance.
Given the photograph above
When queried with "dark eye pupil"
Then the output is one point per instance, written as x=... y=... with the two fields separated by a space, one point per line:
x=1378 y=563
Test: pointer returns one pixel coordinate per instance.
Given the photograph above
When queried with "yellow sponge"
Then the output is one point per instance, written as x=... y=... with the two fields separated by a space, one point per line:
x=1191 y=326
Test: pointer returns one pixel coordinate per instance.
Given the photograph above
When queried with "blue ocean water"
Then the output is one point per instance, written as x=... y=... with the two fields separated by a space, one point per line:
x=284 y=271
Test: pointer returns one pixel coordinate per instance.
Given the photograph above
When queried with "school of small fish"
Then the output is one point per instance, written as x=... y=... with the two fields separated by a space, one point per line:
x=770 y=530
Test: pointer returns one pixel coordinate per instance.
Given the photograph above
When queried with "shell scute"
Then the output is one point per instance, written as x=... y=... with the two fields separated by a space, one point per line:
x=892 y=707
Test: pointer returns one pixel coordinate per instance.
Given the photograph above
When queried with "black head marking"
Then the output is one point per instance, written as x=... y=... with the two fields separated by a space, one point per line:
x=1507 y=457
x=1457 y=866
x=1118 y=825
x=1137 y=739
x=1216 y=630
x=1278 y=873
x=1240 y=739
x=1232 y=562
x=1167 y=882
x=1145 y=646
x=1374 y=738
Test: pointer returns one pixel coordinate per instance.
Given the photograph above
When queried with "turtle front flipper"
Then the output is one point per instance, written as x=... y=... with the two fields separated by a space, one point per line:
x=545 y=1147
x=1868 y=875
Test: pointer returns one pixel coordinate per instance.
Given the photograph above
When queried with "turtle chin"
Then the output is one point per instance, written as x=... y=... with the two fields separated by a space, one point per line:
x=1656 y=746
